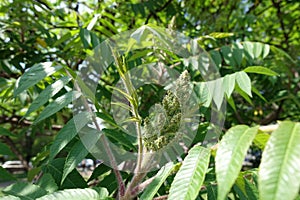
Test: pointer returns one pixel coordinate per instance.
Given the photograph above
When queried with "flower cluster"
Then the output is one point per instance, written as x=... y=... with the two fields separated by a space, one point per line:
x=162 y=125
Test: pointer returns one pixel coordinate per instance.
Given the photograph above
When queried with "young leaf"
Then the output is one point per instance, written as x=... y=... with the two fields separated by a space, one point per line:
x=159 y=179
x=47 y=93
x=34 y=75
x=279 y=174
x=25 y=190
x=57 y=105
x=230 y=155
x=260 y=70
x=77 y=194
x=189 y=178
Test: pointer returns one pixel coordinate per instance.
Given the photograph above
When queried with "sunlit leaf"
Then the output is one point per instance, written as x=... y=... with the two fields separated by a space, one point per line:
x=189 y=178
x=77 y=194
x=34 y=75
x=47 y=93
x=279 y=172
x=260 y=70
x=158 y=180
x=230 y=156
x=25 y=190
x=244 y=82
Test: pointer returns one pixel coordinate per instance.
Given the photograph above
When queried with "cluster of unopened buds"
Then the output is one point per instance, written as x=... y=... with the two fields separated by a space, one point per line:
x=161 y=127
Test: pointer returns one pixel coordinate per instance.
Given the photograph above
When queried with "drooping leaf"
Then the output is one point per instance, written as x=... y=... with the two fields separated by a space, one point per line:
x=68 y=132
x=279 y=174
x=244 y=82
x=228 y=84
x=159 y=179
x=77 y=194
x=189 y=178
x=260 y=70
x=25 y=190
x=230 y=155
x=34 y=75
x=57 y=105
x=47 y=93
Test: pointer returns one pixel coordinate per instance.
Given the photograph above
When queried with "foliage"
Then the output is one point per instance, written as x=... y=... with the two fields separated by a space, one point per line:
x=254 y=46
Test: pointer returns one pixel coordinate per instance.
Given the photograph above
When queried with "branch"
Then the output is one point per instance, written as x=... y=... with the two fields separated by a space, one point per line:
x=16 y=120
x=279 y=15
x=13 y=148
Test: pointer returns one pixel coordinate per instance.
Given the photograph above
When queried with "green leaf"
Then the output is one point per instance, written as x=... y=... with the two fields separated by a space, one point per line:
x=260 y=70
x=221 y=35
x=261 y=139
x=5 y=132
x=85 y=37
x=253 y=89
x=34 y=75
x=25 y=190
x=228 y=84
x=73 y=180
x=5 y=150
x=5 y=175
x=279 y=174
x=244 y=82
x=75 y=156
x=98 y=171
x=93 y=22
x=120 y=137
x=47 y=182
x=230 y=155
x=47 y=93
x=57 y=105
x=203 y=94
x=77 y=194
x=243 y=94
x=10 y=197
x=158 y=180
x=216 y=57
x=68 y=132
x=189 y=178
x=212 y=192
